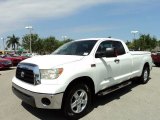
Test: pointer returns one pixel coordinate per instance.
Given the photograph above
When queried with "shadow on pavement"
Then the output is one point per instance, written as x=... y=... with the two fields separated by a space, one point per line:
x=98 y=101
x=44 y=114
x=156 y=66
x=6 y=69
x=102 y=100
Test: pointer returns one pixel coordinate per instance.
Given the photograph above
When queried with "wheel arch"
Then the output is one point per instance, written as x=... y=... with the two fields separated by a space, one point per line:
x=144 y=78
x=80 y=80
x=145 y=64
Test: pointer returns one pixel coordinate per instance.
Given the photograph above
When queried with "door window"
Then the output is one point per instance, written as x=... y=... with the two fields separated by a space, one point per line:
x=119 y=47
x=112 y=44
x=106 y=44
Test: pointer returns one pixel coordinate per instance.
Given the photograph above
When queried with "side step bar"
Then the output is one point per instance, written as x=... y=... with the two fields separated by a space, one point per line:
x=114 y=88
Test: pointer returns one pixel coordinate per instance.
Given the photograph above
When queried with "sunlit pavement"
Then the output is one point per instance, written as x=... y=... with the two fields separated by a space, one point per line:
x=134 y=102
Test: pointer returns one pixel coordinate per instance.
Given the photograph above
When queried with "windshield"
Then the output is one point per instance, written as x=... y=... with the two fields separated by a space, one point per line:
x=81 y=48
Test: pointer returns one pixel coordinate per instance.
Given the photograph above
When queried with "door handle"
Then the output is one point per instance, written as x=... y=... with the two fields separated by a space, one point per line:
x=116 y=60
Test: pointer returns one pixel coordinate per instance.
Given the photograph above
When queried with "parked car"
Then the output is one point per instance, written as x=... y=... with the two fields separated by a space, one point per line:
x=14 y=60
x=156 y=58
x=4 y=63
x=69 y=78
x=20 y=57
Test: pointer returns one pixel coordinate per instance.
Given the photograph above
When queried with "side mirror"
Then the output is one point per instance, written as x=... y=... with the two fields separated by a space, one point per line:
x=100 y=54
x=110 y=52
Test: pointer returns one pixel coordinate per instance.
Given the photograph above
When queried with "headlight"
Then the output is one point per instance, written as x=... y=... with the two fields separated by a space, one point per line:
x=51 y=73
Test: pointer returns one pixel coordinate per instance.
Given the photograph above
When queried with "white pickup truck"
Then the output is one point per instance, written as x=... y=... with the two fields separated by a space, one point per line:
x=70 y=77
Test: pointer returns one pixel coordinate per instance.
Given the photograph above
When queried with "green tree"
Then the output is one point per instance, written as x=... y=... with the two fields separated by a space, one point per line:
x=39 y=47
x=64 y=41
x=42 y=46
x=50 y=44
x=158 y=44
x=144 y=42
x=147 y=42
x=26 y=41
x=13 y=41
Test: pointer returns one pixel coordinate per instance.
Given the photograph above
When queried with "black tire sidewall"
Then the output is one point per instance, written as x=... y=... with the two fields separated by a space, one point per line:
x=69 y=114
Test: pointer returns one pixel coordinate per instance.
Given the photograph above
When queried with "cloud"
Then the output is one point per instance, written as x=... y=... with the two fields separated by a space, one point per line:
x=14 y=14
x=89 y=29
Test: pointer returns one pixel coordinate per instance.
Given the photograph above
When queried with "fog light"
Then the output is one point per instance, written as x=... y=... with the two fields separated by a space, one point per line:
x=45 y=101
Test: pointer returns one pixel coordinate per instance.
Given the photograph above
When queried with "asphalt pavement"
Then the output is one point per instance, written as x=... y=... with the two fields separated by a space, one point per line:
x=134 y=102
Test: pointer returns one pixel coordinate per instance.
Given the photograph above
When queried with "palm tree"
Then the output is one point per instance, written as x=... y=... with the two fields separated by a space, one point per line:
x=12 y=42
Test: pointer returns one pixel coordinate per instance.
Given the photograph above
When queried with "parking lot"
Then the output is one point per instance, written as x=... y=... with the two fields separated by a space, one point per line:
x=134 y=102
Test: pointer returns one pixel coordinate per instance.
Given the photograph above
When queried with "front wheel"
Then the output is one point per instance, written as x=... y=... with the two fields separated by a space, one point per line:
x=145 y=75
x=77 y=101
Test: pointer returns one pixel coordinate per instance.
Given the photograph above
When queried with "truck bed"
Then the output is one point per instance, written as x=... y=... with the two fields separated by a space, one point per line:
x=139 y=52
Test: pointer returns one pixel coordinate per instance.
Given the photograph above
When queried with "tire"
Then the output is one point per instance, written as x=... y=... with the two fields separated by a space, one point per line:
x=77 y=102
x=145 y=75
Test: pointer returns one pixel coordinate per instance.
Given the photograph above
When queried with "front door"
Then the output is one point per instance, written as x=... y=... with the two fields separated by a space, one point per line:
x=108 y=69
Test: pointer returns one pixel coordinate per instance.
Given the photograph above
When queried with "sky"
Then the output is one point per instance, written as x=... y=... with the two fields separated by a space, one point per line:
x=78 y=19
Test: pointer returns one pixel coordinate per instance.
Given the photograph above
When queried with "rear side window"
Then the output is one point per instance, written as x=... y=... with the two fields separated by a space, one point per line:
x=119 y=47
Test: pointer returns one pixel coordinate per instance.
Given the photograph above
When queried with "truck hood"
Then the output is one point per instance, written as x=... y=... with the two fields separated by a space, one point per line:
x=51 y=61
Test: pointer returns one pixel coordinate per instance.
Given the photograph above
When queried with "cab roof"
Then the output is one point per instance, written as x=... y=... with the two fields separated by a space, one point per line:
x=99 y=39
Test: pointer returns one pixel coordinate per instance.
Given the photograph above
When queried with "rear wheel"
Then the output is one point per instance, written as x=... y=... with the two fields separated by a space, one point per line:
x=77 y=101
x=145 y=75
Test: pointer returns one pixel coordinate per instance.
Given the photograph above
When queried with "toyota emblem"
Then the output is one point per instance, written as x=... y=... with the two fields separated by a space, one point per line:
x=22 y=74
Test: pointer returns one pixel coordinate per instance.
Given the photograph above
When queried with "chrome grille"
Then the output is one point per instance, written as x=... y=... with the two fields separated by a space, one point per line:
x=7 y=63
x=28 y=73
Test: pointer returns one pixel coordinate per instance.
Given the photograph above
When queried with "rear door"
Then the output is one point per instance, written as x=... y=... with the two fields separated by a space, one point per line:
x=125 y=62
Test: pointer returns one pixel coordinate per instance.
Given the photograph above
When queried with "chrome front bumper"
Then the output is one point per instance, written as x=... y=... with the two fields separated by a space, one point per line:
x=45 y=101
